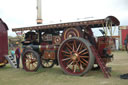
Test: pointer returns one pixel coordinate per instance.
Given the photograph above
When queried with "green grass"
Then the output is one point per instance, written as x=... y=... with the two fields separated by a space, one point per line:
x=55 y=76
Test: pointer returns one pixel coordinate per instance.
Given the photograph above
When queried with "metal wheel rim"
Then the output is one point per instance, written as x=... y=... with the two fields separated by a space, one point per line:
x=80 y=63
x=30 y=61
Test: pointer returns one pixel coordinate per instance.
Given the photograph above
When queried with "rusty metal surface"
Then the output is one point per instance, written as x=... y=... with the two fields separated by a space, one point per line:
x=93 y=23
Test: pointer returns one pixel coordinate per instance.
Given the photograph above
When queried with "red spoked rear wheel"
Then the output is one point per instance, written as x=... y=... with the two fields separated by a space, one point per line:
x=75 y=56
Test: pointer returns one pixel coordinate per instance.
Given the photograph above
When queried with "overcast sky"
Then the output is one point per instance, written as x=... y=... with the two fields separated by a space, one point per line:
x=21 y=13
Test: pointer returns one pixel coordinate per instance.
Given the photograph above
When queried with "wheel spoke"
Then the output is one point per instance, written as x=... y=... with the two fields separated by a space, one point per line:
x=29 y=60
x=31 y=55
x=65 y=52
x=81 y=66
x=84 y=56
x=69 y=62
x=47 y=65
x=78 y=66
x=75 y=46
x=33 y=60
x=69 y=65
x=67 y=55
x=33 y=65
x=68 y=50
x=69 y=46
x=66 y=59
x=75 y=68
x=84 y=60
x=78 y=47
x=28 y=65
x=82 y=51
x=81 y=46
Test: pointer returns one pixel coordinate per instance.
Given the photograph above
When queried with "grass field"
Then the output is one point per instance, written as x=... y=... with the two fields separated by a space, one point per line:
x=55 y=76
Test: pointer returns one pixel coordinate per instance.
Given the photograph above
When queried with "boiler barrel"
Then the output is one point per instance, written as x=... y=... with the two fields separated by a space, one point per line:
x=41 y=48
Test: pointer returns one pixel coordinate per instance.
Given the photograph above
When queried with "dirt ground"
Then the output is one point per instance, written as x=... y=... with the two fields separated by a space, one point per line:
x=55 y=76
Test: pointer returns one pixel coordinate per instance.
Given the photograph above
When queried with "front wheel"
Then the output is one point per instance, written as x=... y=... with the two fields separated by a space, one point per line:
x=75 y=56
x=31 y=60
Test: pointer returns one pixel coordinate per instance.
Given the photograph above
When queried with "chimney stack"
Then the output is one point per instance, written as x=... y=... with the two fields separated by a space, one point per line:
x=39 y=17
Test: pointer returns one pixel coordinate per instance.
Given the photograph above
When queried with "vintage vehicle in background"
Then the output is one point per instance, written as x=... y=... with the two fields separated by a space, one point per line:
x=123 y=33
x=3 y=43
x=71 y=45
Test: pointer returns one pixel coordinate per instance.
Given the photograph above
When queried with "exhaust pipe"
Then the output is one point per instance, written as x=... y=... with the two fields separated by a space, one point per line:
x=39 y=17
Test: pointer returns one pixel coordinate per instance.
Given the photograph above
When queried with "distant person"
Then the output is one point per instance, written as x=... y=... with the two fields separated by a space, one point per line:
x=12 y=53
x=126 y=42
x=17 y=53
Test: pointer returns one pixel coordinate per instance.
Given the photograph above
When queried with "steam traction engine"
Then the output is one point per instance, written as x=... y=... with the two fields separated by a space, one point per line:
x=70 y=45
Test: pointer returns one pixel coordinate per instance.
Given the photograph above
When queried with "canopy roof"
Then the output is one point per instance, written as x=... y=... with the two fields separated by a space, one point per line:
x=61 y=26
